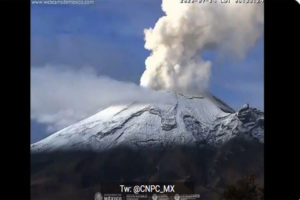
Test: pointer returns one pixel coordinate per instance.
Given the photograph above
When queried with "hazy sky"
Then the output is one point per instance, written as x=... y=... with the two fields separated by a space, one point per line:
x=105 y=42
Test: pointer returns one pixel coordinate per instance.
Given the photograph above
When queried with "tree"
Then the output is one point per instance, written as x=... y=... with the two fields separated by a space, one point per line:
x=244 y=189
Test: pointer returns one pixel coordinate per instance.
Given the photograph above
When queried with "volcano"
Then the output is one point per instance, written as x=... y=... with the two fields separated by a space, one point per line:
x=187 y=139
x=184 y=121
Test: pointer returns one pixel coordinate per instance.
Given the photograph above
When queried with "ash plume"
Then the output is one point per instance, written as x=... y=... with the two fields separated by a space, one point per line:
x=179 y=38
x=61 y=97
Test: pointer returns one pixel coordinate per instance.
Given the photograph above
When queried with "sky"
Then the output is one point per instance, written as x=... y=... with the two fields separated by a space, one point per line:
x=105 y=42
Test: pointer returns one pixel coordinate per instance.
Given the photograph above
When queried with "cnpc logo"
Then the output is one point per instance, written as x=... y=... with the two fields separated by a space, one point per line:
x=98 y=196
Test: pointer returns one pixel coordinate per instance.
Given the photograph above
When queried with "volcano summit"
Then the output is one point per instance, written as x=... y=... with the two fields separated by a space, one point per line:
x=184 y=121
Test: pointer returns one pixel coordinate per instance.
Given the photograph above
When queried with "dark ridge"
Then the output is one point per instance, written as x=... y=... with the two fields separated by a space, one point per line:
x=79 y=174
x=224 y=107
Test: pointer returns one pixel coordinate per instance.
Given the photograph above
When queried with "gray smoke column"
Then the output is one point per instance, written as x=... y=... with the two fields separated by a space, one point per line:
x=179 y=39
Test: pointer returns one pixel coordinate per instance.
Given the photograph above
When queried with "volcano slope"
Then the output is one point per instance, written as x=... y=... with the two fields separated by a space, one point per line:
x=190 y=139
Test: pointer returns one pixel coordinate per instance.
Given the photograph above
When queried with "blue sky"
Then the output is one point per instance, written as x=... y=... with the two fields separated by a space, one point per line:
x=108 y=37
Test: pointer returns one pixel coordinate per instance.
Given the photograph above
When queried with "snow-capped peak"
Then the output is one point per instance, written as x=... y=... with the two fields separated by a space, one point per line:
x=184 y=120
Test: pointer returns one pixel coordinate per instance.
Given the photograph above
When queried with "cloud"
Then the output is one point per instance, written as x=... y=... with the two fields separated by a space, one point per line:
x=105 y=36
x=179 y=39
x=107 y=57
x=64 y=94
x=60 y=96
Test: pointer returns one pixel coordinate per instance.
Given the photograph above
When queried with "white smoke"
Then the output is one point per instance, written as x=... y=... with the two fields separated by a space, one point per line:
x=60 y=97
x=179 y=39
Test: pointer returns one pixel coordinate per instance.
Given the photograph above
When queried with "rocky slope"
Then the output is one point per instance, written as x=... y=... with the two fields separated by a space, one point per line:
x=184 y=120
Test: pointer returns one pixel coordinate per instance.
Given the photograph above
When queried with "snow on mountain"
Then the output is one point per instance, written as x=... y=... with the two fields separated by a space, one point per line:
x=185 y=120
